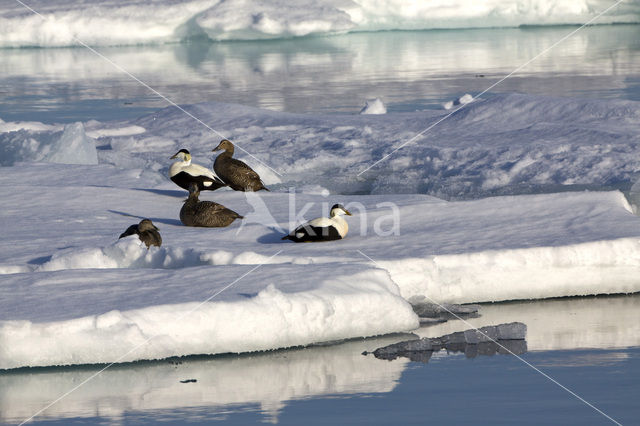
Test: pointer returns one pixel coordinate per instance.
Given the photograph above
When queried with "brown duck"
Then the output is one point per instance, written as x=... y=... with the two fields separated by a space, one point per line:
x=235 y=173
x=205 y=213
x=146 y=231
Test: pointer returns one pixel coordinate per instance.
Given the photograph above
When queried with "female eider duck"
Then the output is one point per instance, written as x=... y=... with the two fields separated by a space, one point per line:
x=205 y=213
x=146 y=231
x=322 y=228
x=235 y=173
x=183 y=172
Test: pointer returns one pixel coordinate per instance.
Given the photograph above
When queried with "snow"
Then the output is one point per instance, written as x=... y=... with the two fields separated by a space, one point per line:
x=508 y=144
x=167 y=314
x=46 y=143
x=462 y=100
x=26 y=125
x=71 y=289
x=61 y=23
x=374 y=106
x=73 y=147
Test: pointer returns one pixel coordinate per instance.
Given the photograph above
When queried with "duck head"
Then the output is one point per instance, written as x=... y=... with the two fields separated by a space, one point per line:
x=146 y=225
x=339 y=210
x=183 y=155
x=194 y=191
x=224 y=145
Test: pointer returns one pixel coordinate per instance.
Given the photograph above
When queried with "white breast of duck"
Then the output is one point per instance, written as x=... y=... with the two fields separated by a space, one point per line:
x=182 y=172
x=336 y=222
x=184 y=165
x=192 y=169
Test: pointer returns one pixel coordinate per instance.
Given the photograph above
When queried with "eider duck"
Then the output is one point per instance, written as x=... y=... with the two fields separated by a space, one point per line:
x=205 y=213
x=235 y=173
x=322 y=228
x=183 y=172
x=146 y=231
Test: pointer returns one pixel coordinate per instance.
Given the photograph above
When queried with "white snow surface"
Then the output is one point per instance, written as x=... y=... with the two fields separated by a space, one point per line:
x=160 y=314
x=375 y=106
x=72 y=293
x=28 y=141
x=62 y=23
x=462 y=100
x=507 y=144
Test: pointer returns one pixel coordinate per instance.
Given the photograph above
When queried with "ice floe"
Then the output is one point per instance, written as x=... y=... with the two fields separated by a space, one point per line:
x=508 y=144
x=69 y=288
x=61 y=23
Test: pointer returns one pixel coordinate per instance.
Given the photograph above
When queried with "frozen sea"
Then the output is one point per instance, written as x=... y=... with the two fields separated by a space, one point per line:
x=523 y=202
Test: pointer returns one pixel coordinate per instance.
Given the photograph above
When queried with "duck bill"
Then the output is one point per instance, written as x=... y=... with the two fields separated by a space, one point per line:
x=173 y=156
x=217 y=148
x=348 y=213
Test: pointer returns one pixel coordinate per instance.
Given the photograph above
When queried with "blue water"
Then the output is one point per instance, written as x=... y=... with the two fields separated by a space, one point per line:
x=408 y=70
x=449 y=389
x=493 y=390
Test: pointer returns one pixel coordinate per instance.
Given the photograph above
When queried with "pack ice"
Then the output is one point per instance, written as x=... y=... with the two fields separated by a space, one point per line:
x=72 y=293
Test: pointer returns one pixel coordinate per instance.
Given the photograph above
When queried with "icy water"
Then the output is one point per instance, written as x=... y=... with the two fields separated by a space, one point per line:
x=588 y=345
x=408 y=70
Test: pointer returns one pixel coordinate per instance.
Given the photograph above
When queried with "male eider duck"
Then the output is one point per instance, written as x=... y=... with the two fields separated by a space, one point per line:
x=322 y=228
x=183 y=172
x=235 y=173
x=146 y=231
x=205 y=213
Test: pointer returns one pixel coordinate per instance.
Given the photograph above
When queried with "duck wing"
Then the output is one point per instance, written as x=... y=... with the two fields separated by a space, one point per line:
x=238 y=174
x=132 y=230
x=151 y=238
x=184 y=179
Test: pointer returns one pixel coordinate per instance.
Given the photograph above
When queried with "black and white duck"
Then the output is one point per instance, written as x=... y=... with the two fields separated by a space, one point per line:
x=322 y=228
x=183 y=172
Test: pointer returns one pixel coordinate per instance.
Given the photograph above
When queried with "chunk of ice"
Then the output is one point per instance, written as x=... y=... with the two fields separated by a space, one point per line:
x=374 y=106
x=73 y=147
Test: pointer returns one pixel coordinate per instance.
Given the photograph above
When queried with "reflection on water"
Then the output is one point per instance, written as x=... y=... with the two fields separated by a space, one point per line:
x=558 y=324
x=264 y=380
x=273 y=386
x=408 y=70
x=588 y=359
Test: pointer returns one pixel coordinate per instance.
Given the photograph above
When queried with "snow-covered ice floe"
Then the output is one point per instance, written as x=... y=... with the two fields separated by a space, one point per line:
x=61 y=23
x=508 y=144
x=84 y=297
x=68 y=317
x=71 y=293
